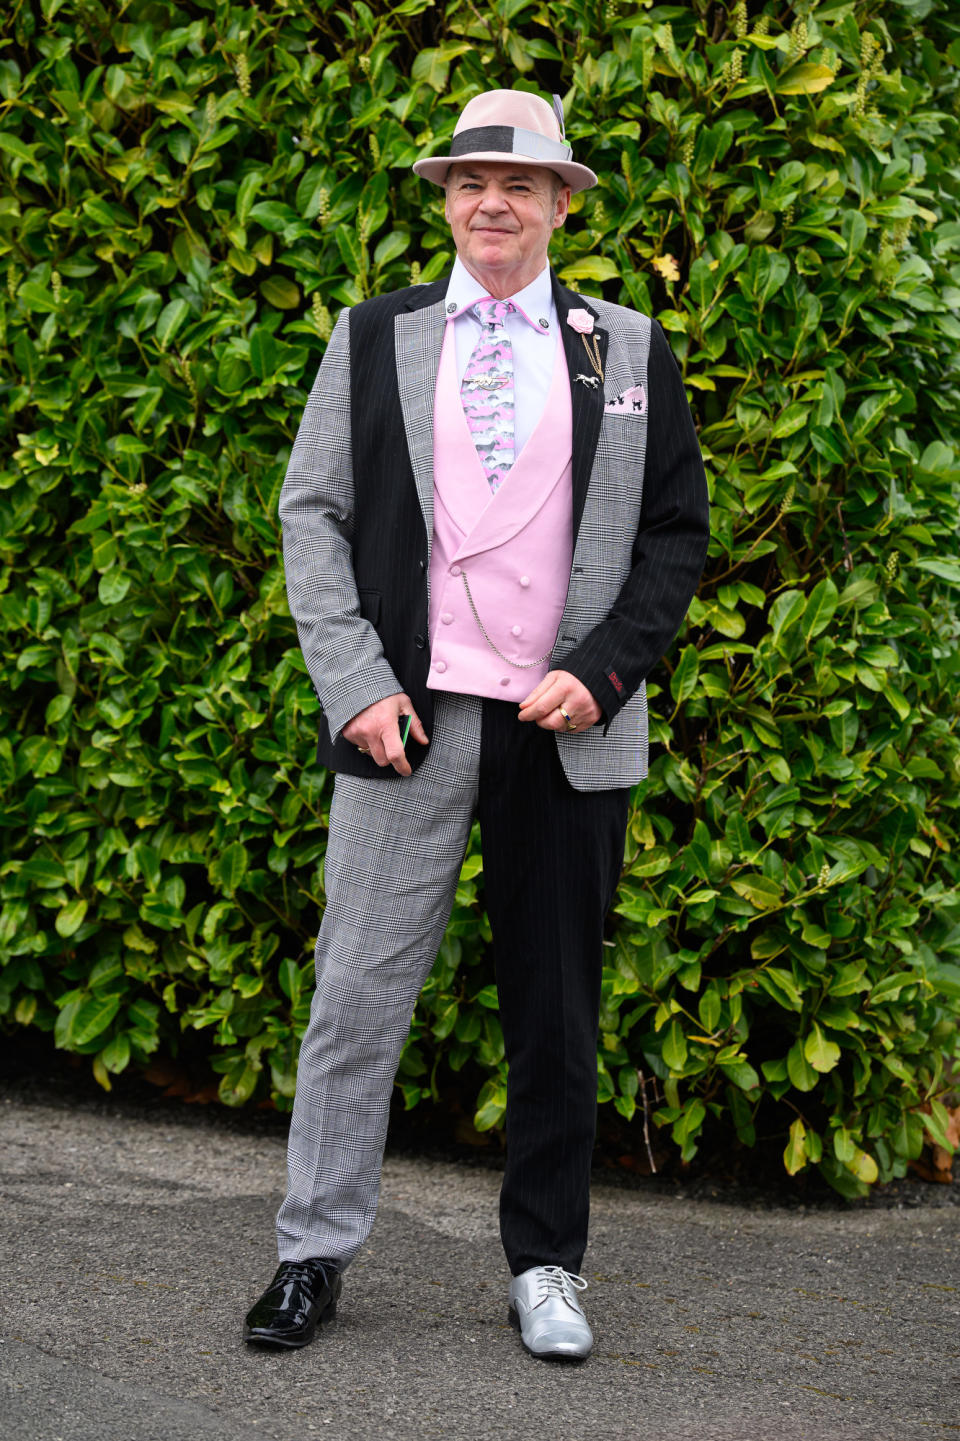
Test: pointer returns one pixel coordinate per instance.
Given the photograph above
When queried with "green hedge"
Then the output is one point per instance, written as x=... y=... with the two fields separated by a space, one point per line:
x=189 y=193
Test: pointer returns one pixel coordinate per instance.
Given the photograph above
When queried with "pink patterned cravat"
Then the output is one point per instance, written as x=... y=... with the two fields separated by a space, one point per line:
x=487 y=391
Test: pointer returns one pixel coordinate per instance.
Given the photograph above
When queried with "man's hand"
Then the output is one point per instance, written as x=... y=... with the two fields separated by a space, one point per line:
x=557 y=689
x=376 y=732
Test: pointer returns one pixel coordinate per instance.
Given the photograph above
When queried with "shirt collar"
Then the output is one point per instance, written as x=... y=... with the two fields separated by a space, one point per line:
x=534 y=302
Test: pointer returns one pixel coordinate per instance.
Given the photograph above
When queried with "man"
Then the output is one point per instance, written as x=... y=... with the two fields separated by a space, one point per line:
x=494 y=518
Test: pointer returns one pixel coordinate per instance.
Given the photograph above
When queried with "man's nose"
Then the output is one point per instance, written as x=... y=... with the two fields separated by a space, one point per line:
x=493 y=199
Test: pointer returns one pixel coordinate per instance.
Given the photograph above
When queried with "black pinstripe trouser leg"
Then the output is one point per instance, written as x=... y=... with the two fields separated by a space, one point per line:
x=551 y=862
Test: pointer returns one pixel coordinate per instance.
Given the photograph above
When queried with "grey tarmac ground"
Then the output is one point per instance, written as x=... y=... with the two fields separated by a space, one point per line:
x=134 y=1240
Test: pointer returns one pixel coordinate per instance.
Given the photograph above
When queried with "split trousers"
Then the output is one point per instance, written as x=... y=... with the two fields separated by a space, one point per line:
x=551 y=862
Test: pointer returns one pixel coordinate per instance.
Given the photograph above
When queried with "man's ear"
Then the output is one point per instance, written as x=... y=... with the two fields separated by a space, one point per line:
x=562 y=208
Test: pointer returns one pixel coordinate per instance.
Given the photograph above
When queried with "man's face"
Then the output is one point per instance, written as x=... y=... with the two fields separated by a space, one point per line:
x=502 y=216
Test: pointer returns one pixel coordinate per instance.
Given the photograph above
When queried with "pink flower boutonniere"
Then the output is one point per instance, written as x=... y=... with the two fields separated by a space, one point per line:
x=582 y=322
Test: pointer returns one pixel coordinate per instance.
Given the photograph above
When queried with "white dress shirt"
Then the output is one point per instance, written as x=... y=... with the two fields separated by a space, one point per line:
x=532 y=328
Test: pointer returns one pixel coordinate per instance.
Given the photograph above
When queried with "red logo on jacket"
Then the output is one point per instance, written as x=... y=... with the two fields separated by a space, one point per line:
x=616 y=682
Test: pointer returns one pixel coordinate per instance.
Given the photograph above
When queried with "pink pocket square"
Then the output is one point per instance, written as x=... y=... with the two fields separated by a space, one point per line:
x=631 y=402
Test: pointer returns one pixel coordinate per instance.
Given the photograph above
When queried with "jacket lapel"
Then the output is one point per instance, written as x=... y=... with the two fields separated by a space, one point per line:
x=418 y=341
x=586 y=400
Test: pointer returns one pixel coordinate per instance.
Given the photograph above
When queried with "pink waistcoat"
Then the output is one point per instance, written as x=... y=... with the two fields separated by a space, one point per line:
x=515 y=547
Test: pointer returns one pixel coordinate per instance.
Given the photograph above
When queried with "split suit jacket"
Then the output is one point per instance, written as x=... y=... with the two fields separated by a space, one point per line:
x=357 y=514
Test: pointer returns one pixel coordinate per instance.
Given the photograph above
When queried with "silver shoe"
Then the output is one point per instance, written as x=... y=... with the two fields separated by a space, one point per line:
x=543 y=1303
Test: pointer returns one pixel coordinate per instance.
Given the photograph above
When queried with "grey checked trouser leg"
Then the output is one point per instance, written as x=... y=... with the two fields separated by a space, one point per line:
x=394 y=853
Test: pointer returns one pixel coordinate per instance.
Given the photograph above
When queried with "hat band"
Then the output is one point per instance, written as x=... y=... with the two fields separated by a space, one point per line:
x=511 y=140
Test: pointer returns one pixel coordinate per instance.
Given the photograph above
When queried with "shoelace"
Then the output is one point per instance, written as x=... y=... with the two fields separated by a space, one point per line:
x=305 y=1273
x=555 y=1281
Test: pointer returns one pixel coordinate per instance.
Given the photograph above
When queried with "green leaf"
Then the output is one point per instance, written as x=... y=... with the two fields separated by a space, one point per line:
x=391 y=247
x=652 y=862
x=791 y=419
x=759 y=890
x=432 y=67
x=42 y=871
x=246 y=191
x=820 y=608
x=795 y=1155
x=169 y=321
x=822 y=1054
x=936 y=1125
x=280 y=292
x=948 y=570
x=590 y=267
x=233 y=866
x=71 y=916
x=709 y=1008
x=491 y=1105
x=239 y=1084
x=863 y=1167
x=853 y=228
x=786 y=610
x=781 y=986
x=113 y=586
x=741 y=1073
x=889 y=987
x=702 y=283
x=13 y=145
x=674 y=1048
x=34 y=297
x=827 y=444
x=683 y=682
x=232 y=372
x=844 y=1147
x=805 y=79
x=690 y=1121
x=90 y=1019
x=116 y=1054
x=263 y=353
x=802 y=1074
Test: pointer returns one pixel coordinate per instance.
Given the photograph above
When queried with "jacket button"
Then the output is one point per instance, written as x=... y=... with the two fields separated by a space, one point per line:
x=447 y=617
x=524 y=581
x=454 y=570
x=516 y=630
x=419 y=641
x=440 y=665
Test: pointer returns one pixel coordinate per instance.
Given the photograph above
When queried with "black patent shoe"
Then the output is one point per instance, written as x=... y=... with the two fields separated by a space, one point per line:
x=301 y=1296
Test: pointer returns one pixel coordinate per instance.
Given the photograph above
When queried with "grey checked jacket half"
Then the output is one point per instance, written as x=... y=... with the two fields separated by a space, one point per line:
x=640 y=510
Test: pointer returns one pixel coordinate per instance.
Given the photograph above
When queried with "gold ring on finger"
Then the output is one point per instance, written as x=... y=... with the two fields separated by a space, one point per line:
x=571 y=723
